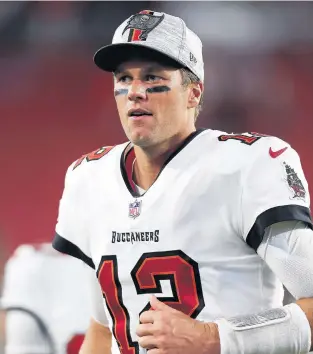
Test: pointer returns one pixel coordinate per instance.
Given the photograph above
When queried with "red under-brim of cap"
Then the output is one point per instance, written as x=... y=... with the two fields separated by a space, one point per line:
x=108 y=58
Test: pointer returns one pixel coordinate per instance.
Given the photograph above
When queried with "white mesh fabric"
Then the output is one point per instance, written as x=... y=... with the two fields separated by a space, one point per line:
x=287 y=248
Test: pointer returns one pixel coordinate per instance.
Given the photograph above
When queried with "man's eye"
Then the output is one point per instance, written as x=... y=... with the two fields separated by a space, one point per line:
x=152 y=78
x=124 y=78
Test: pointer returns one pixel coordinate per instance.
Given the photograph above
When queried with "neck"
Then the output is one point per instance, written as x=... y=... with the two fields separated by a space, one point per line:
x=150 y=160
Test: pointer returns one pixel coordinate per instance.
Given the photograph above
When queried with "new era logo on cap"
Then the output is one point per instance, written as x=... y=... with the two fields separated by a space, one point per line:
x=193 y=58
x=157 y=31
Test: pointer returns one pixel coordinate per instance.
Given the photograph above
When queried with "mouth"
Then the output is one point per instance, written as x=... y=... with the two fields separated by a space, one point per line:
x=136 y=114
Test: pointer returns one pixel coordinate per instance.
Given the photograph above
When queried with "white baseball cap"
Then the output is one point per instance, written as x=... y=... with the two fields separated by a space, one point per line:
x=159 y=32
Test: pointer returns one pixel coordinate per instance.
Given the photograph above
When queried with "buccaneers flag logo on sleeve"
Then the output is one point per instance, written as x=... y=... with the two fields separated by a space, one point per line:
x=141 y=25
x=294 y=183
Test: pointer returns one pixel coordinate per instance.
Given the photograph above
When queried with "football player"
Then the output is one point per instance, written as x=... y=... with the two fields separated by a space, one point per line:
x=192 y=233
x=46 y=301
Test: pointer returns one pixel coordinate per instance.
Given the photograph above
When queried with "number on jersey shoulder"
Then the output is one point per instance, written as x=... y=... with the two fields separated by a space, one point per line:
x=94 y=155
x=245 y=138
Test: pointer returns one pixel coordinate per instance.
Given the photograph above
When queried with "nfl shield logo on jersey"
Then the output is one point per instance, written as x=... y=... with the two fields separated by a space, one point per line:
x=134 y=209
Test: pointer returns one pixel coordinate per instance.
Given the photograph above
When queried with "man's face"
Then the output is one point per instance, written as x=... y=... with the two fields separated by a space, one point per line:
x=151 y=101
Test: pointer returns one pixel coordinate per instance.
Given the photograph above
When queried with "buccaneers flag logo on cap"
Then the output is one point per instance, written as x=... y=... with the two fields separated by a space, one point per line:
x=141 y=24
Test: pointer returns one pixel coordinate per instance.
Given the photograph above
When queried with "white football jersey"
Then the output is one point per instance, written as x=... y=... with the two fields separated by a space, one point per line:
x=191 y=238
x=47 y=300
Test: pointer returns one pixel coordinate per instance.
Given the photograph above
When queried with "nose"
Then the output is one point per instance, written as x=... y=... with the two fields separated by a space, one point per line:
x=137 y=91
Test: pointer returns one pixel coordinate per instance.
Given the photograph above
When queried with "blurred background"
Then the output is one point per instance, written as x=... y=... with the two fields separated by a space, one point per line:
x=55 y=105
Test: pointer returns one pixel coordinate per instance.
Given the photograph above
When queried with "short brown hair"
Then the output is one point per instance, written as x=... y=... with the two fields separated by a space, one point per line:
x=188 y=78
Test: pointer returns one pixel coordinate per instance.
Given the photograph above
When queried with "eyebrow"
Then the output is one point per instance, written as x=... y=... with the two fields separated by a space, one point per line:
x=116 y=72
x=148 y=69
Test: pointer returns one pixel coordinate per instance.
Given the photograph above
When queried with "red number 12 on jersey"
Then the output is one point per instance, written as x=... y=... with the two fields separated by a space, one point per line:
x=175 y=266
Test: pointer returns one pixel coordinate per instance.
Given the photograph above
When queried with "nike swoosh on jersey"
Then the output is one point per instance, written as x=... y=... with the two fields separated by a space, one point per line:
x=275 y=154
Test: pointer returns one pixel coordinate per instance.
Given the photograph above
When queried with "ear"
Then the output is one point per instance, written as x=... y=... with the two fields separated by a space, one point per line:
x=196 y=91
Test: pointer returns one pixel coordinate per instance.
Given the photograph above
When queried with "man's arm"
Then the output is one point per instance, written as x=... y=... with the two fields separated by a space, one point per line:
x=98 y=339
x=287 y=248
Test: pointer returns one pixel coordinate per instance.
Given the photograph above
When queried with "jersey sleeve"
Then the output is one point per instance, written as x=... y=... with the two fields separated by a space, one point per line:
x=287 y=248
x=97 y=302
x=274 y=189
x=71 y=235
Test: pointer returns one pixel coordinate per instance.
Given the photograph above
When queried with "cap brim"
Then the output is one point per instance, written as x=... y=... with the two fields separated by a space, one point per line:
x=108 y=58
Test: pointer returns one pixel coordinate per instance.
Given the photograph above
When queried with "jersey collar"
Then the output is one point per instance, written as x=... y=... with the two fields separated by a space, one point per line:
x=128 y=156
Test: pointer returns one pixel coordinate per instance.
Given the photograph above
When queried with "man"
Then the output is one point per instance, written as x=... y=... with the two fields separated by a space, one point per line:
x=46 y=303
x=192 y=233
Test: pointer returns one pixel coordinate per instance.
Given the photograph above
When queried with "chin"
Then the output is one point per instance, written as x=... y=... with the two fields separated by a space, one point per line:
x=141 y=137
x=142 y=141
